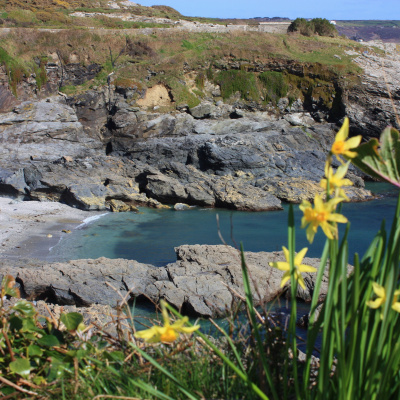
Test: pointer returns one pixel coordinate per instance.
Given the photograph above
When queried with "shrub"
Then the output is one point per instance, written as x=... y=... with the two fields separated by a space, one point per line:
x=317 y=26
x=138 y=49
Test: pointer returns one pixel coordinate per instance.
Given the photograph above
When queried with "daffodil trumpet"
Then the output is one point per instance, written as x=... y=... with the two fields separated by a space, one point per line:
x=323 y=215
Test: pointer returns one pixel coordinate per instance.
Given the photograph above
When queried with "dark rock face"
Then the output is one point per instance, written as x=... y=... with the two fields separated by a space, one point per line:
x=197 y=162
x=204 y=281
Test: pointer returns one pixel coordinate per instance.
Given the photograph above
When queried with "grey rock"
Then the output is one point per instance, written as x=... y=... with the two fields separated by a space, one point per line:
x=205 y=280
x=201 y=111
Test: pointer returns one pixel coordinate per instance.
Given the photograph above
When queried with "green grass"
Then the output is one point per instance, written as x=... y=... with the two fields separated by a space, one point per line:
x=233 y=81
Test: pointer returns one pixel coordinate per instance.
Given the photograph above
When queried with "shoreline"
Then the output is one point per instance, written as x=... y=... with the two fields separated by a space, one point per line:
x=29 y=229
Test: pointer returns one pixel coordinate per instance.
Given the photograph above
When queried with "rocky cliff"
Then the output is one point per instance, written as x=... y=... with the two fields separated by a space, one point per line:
x=112 y=144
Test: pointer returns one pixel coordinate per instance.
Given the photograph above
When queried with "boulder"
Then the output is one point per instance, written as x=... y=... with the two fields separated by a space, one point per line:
x=202 y=111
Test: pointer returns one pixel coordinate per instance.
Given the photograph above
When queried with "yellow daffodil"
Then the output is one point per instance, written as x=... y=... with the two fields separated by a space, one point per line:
x=336 y=180
x=395 y=303
x=167 y=333
x=381 y=298
x=299 y=267
x=321 y=215
x=343 y=147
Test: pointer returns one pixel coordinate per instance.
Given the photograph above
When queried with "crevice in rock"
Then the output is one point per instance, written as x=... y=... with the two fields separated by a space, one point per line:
x=188 y=309
x=143 y=301
x=109 y=148
x=21 y=287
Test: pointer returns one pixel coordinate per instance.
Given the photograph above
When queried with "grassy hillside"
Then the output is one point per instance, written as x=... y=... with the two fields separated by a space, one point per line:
x=57 y=14
x=186 y=62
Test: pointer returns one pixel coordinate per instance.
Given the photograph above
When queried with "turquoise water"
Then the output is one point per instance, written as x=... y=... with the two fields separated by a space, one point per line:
x=151 y=235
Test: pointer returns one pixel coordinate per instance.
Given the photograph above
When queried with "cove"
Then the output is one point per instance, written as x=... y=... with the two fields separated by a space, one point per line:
x=151 y=235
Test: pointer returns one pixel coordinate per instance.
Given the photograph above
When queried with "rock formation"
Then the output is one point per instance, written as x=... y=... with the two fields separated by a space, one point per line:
x=204 y=281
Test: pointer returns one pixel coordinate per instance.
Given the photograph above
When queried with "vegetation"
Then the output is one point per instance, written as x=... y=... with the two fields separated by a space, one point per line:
x=237 y=81
x=275 y=85
x=170 y=57
x=316 y=26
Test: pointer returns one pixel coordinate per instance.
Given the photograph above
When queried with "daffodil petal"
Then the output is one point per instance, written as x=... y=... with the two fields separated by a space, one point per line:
x=342 y=170
x=286 y=253
x=285 y=278
x=337 y=218
x=306 y=268
x=281 y=265
x=396 y=307
x=378 y=290
x=301 y=282
x=350 y=154
x=329 y=230
x=189 y=329
x=375 y=303
x=343 y=131
x=300 y=255
x=318 y=203
x=353 y=142
x=310 y=233
x=148 y=333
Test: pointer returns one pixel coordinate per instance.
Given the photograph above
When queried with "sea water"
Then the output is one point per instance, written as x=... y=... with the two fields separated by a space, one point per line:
x=150 y=235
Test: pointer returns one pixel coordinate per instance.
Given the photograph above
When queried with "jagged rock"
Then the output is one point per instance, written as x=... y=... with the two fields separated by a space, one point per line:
x=203 y=281
x=45 y=130
x=367 y=103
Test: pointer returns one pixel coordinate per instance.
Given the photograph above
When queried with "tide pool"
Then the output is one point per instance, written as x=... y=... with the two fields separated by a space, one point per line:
x=151 y=235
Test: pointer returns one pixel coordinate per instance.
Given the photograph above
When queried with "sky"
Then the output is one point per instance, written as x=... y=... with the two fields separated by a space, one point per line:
x=329 y=9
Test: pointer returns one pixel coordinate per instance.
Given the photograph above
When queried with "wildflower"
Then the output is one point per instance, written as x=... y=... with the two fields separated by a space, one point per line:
x=321 y=215
x=395 y=303
x=336 y=180
x=299 y=267
x=167 y=333
x=341 y=146
x=381 y=298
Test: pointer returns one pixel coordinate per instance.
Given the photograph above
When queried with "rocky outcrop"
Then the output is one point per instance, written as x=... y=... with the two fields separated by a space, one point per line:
x=204 y=281
x=373 y=103
x=250 y=162
x=45 y=130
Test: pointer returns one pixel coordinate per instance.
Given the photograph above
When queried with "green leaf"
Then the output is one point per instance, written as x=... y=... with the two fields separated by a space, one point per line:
x=71 y=320
x=34 y=351
x=25 y=308
x=48 y=340
x=381 y=159
x=15 y=323
x=28 y=325
x=21 y=366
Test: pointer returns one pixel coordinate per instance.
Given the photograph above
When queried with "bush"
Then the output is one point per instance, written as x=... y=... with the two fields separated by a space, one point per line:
x=317 y=26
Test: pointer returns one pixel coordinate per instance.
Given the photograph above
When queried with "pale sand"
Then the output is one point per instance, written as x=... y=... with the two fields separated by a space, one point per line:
x=28 y=229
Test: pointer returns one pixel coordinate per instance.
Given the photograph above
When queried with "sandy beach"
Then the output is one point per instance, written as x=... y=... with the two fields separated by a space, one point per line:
x=28 y=229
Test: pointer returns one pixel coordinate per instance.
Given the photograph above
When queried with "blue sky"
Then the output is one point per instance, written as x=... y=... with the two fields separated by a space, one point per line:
x=330 y=9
